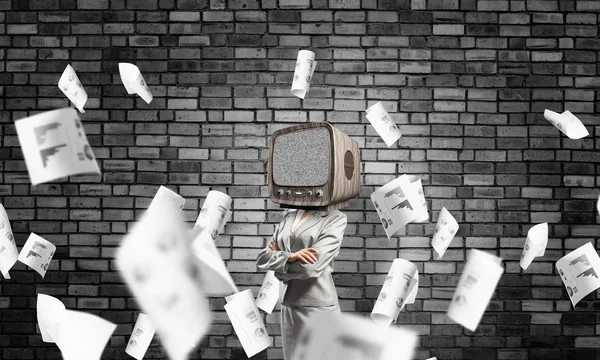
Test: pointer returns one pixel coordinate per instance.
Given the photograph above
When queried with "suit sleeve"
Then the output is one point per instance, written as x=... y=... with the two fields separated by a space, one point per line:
x=268 y=259
x=327 y=246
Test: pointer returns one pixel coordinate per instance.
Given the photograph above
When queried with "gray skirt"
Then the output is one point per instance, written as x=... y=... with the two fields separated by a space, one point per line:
x=293 y=319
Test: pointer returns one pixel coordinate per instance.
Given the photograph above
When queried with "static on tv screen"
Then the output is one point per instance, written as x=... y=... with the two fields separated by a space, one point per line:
x=302 y=158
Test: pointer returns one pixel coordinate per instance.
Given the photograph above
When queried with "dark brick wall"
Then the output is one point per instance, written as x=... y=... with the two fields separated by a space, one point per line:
x=467 y=82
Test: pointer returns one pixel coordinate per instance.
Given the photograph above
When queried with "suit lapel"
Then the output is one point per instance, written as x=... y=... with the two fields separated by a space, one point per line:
x=313 y=219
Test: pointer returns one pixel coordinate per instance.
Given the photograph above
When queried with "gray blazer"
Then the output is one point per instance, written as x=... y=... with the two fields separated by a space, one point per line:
x=307 y=284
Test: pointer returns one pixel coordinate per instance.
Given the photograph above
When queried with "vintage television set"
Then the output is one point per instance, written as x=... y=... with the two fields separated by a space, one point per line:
x=313 y=166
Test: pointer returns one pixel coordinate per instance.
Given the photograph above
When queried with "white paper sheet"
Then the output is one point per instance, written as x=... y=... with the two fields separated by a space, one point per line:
x=398 y=203
x=78 y=335
x=330 y=336
x=8 y=247
x=475 y=288
x=417 y=187
x=269 y=293
x=383 y=124
x=70 y=85
x=141 y=337
x=598 y=205
x=247 y=322
x=156 y=261
x=50 y=311
x=215 y=213
x=37 y=253
x=166 y=198
x=535 y=245
x=567 y=123
x=433 y=358
x=400 y=288
x=54 y=145
x=579 y=271
x=305 y=67
x=134 y=82
x=81 y=336
x=445 y=230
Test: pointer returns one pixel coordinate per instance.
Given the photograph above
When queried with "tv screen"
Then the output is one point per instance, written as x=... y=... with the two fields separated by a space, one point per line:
x=301 y=158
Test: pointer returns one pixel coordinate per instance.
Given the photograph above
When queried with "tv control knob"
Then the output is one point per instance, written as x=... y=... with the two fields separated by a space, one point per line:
x=279 y=192
x=288 y=193
x=319 y=193
x=309 y=192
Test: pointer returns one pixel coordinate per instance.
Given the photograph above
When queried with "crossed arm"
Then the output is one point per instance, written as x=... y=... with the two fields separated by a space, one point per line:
x=305 y=263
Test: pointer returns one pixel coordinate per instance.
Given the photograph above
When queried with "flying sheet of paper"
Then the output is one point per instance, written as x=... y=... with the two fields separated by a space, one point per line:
x=8 y=248
x=50 y=311
x=247 y=322
x=81 y=336
x=535 y=245
x=400 y=288
x=166 y=198
x=214 y=215
x=475 y=288
x=567 y=123
x=417 y=186
x=398 y=203
x=445 y=230
x=157 y=263
x=305 y=67
x=141 y=337
x=70 y=85
x=383 y=124
x=134 y=82
x=37 y=253
x=78 y=335
x=331 y=336
x=433 y=358
x=269 y=293
x=598 y=205
x=579 y=271
x=54 y=145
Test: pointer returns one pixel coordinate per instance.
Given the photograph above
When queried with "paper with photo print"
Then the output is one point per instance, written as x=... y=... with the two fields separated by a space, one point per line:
x=400 y=288
x=54 y=146
x=8 y=248
x=166 y=198
x=141 y=337
x=247 y=322
x=475 y=288
x=332 y=336
x=210 y=223
x=383 y=124
x=445 y=230
x=37 y=253
x=398 y=203
x=70 y=85
x=134 y=82
x=535 y=245
x=305 y=67
x=269 y=293
x=156 y=262
x=580 y=271
x=567 y=123
x=77 y=334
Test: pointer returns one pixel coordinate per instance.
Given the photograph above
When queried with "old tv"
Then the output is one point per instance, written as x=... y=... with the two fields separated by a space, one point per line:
x=314 y=166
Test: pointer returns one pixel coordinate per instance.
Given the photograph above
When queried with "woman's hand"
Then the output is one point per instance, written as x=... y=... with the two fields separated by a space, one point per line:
x=307 y=256
x=273 y=245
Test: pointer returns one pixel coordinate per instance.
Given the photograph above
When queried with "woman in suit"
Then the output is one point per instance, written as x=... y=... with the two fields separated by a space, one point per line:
x=301 y=254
